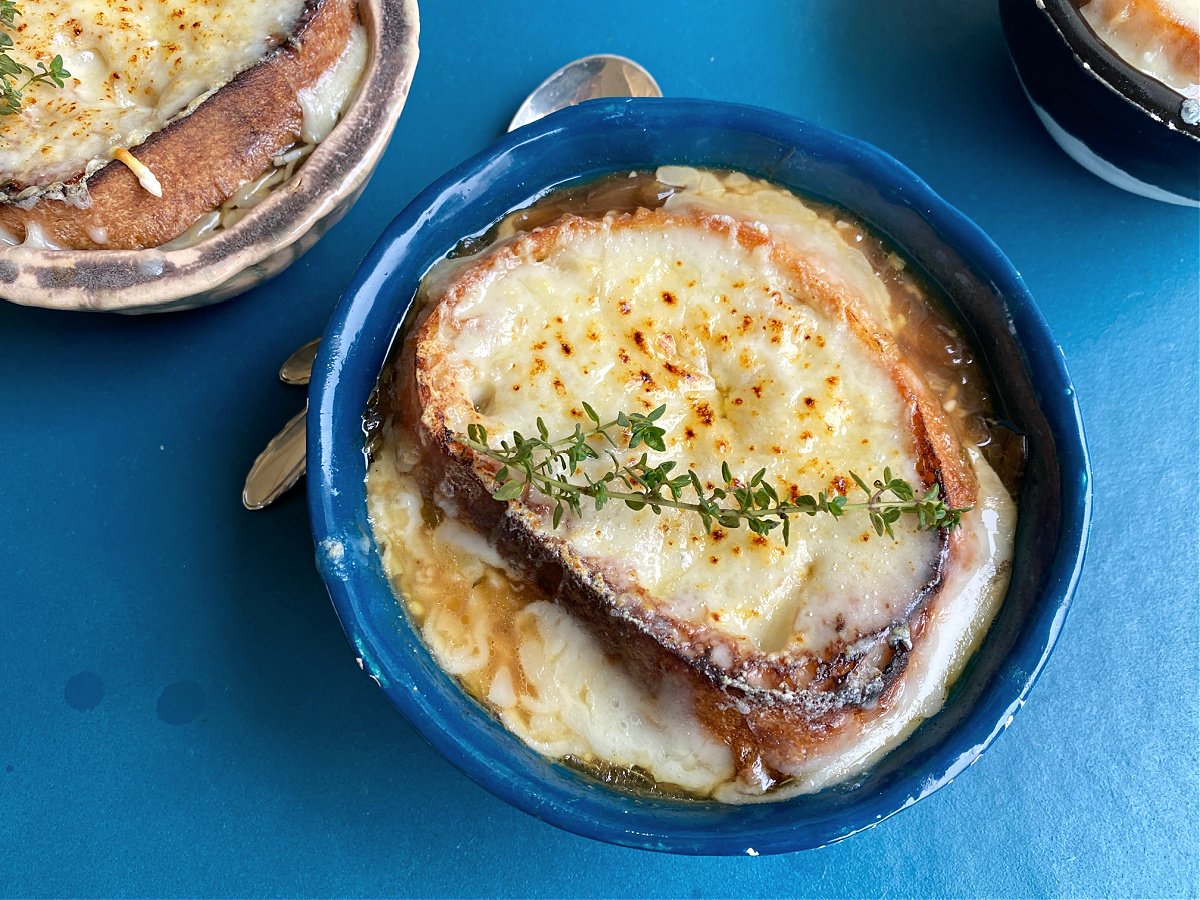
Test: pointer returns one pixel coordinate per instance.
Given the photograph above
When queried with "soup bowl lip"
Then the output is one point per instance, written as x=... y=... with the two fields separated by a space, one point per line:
x=1157 y=100
x=346 y=369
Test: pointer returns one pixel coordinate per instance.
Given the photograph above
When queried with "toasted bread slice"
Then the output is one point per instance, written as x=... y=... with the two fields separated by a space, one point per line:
x=202 y=158
x=765 y=358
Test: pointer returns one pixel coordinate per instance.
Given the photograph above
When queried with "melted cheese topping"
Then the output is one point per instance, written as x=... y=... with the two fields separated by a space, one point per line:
x=135 y=65
x=1159 y=37
x=970 y=598
x=751 y=374
x=323 y=103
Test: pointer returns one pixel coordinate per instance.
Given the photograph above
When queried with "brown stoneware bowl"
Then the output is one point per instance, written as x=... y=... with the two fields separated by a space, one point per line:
x=271 y=236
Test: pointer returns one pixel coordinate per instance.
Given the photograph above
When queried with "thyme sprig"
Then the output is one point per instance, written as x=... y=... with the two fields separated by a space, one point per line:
x=550 y=466
x=12 y=87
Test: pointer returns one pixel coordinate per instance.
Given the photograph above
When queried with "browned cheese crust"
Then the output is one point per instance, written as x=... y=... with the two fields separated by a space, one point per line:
x=772 y=709
x=201 y=159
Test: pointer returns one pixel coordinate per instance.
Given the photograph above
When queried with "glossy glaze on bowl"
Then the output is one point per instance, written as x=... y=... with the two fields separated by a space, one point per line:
x=268 y=239
x=1118 y=122
x=1035 y=395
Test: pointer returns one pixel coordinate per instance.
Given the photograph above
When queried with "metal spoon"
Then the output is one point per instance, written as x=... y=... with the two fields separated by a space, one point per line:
x=282 y=462
x=279 y=466
x=297 y=368
x=603 y=75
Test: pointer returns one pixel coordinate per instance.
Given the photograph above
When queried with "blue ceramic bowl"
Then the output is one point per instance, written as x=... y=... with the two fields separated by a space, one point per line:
x=1115 y=121
x=615 y=135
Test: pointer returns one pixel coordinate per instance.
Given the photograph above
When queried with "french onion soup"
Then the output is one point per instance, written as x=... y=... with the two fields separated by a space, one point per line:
x=692 y=484
x=130 y=125
x=1158 y=37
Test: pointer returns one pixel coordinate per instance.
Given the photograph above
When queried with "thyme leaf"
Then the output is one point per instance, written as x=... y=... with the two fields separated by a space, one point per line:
x=553 y=468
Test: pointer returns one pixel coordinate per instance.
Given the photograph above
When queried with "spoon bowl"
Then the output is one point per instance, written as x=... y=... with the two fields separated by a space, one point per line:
x=588 y=78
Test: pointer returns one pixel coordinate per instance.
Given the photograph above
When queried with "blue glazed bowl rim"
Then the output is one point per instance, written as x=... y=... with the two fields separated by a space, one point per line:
x=352 y=353
x=1145 y=92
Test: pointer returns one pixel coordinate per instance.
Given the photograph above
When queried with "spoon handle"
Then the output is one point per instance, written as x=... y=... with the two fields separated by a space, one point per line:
x=279 y=466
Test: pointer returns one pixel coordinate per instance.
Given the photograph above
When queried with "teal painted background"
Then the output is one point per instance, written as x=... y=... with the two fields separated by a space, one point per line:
x=180 y=713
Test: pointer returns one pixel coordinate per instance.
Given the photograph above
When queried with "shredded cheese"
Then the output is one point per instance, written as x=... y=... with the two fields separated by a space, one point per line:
x=145 y=177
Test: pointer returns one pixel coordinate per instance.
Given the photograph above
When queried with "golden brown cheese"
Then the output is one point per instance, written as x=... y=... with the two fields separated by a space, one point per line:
x=1159 y=37
x=629 y=318
x=135 y=65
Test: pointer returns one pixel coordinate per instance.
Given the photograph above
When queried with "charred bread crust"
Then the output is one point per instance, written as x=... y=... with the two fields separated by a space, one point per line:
x=772 y=709
x=202 y=158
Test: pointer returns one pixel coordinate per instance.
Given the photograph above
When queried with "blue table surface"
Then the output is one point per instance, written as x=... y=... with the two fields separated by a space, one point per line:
x=181 y=714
